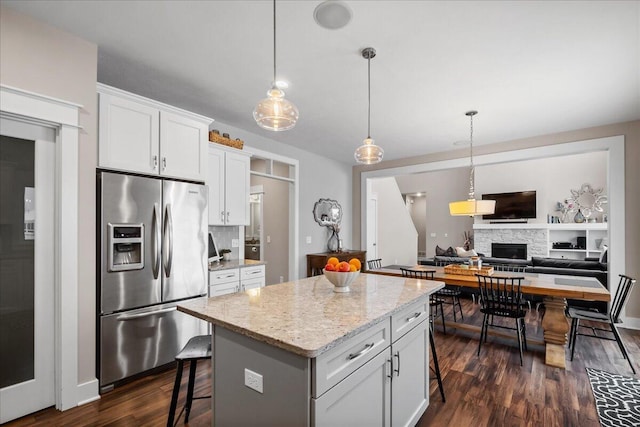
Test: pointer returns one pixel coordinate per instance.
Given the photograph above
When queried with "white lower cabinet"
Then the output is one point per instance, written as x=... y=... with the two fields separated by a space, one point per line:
x=252 y=277
x=222 y=282
x=361 y=399
x=410 y=381
x=388 y=389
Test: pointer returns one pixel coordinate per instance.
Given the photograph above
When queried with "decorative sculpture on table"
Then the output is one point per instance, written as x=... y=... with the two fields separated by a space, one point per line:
x=328 y=213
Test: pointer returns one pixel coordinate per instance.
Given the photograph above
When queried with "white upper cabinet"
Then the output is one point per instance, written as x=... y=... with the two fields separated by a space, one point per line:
x=140 y=135
x=183 y=147
x=228 y=181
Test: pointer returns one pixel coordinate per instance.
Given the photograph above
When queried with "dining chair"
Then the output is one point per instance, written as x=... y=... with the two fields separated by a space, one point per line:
x=373 y=264
x=197 y=348
x=610 y=319
x=434 y=301
x=501 y=296
x=525 y=300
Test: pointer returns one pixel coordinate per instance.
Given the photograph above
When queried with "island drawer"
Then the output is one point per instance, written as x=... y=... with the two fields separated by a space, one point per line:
x=337 y=363
x=224 y=276
x=408 y=318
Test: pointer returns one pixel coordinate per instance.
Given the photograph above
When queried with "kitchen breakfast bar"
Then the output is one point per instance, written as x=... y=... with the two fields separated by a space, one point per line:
x=298 y=353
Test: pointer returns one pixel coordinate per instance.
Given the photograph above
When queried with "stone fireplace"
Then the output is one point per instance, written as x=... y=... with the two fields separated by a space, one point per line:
x=534 y=236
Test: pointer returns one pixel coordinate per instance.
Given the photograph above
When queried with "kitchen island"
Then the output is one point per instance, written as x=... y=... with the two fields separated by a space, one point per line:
x=298 y=353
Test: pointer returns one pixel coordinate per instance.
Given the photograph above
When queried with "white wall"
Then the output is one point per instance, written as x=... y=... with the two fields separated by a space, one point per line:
x=552 y=178
x=440 y=187
x=398 y=239
x=417 y=206
x=42 y=59
x=319 y=177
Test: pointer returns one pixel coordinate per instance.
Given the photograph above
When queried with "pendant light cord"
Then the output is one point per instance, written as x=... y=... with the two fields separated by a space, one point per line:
x=472 y=171
x=274 y=42
x=369 y=107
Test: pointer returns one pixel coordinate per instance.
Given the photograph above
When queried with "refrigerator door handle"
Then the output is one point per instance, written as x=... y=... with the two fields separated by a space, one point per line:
x=168 y=239
x=124 y=317
x=156 y=241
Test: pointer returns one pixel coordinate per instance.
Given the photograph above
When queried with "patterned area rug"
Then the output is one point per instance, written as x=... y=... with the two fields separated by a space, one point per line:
x=617 y=398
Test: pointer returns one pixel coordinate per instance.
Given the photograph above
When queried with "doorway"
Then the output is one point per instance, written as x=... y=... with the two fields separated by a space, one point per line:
x=270 y=226
x=27 y=212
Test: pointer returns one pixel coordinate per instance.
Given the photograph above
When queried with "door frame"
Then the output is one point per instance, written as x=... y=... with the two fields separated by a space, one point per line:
x=612 y=145
x=294 y=196
x=63 y=116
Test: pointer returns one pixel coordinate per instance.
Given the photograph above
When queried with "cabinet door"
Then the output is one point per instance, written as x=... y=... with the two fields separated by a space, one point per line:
x=183 y=147
x=215 y=182
x=252 y=284
x=361 y=399
x=237 y=185
x=128 y=135
x=410 y=383
x=223 y=289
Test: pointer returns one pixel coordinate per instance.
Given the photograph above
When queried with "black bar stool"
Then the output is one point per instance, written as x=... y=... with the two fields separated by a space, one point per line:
x=434 y=356
x=197 y=348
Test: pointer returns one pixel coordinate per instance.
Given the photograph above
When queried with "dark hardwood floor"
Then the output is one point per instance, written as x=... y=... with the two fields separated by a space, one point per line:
x=490 y=390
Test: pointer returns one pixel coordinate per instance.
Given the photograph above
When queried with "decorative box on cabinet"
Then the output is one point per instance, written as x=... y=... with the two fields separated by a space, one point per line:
x=140 y=135
x=316 y=262
x=229 y=183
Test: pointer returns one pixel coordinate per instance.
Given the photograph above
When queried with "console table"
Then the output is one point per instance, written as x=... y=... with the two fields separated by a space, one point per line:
x=316 y=262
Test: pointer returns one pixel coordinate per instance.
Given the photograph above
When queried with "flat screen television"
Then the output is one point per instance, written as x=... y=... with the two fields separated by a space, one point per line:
x=516 y=205
x=214 y=255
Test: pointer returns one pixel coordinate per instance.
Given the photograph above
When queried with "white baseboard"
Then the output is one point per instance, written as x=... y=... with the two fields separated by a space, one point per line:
x=630 y=323
x=88 y=392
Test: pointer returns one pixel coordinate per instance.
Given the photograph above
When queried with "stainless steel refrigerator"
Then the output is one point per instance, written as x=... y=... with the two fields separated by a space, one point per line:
x=152 y=254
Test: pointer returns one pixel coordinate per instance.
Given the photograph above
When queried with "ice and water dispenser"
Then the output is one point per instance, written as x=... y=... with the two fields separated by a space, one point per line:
x=126 y=247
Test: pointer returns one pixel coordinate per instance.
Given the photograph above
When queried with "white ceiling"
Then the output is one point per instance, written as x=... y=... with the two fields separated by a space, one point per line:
x=529 y=68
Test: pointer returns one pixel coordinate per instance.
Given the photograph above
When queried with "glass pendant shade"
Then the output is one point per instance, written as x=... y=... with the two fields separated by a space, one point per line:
x=472 y=207
x=369 y=153
x=274 y=112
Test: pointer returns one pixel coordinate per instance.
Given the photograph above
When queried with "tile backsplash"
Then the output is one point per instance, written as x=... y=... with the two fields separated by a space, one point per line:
x=224 y=235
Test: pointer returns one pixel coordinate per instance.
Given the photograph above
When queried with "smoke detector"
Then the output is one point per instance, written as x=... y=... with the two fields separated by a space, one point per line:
x=332 y=14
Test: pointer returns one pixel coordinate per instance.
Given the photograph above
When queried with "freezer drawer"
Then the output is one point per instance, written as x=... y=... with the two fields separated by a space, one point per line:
x=135 y=341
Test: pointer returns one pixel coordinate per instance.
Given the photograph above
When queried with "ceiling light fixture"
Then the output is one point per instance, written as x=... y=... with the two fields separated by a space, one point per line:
x=274 y=112
x=332 y=14
x=369 y=153
x=471 y=206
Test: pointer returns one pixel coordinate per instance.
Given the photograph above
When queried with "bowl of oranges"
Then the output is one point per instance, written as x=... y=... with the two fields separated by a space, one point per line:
x=341 y=273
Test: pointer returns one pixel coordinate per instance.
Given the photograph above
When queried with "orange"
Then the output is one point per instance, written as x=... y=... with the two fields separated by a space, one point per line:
x=356 y=263
x=343 y=266
x=352 y=267
x=330 y=267
x=333 y=261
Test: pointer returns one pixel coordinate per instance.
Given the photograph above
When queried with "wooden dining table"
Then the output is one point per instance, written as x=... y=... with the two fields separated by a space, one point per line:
x=555 y=289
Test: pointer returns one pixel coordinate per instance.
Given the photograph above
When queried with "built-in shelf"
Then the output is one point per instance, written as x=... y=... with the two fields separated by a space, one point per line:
x=543 y=226
x=588 y=235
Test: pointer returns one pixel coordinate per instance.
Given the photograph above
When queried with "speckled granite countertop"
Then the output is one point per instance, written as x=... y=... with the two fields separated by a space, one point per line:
x=236 y=263
x=305 y=316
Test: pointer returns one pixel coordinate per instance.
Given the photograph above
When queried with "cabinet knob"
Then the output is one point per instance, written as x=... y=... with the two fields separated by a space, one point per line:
x=155 y=162
x=164 y=163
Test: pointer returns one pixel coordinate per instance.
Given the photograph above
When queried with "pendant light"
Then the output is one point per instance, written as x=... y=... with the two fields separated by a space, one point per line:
x=369 y=153
x=274 y=112
x=471 y=206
